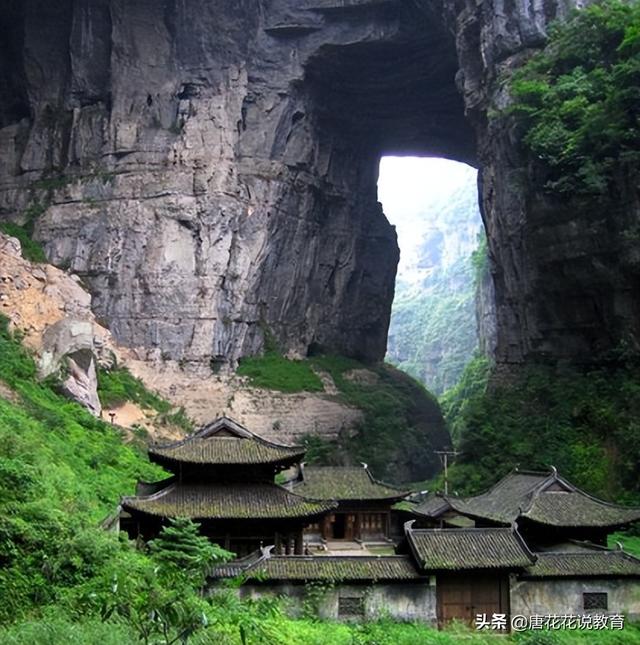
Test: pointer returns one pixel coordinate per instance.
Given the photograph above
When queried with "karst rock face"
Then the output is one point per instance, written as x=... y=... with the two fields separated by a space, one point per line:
x=209 y=167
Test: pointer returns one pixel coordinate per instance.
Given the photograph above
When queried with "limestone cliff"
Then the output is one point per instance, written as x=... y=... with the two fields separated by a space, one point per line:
x=209 y=168
x=50 y=311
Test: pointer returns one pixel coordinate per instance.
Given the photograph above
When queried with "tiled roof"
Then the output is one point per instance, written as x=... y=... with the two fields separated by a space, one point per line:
x=383 y=567
x=225 y=442
x=226 y=450
x=307 y=568
x=591 y=562
x=545 y=498
x=238 y=566
x=432 y=506
x=220 y=501
x=469 y=548
x=344 y=483
x=502 y=503
x=576 y=508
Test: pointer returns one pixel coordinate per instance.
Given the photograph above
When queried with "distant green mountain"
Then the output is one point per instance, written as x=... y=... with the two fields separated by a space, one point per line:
x=432 y=334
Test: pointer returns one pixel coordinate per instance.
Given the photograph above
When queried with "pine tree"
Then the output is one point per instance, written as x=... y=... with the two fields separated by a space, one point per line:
x=181 y=547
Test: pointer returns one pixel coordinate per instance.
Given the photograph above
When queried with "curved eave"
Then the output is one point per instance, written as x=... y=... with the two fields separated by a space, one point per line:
x=577 y=525
x=169 y=503
x=481 y=516
x=196 y=517
x=385 y=500
x=163 y=459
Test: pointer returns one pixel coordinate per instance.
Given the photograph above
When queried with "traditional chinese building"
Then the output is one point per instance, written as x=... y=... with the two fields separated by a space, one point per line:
x=471 y=567
x=532 y=544
x=353 y=587
x=364 y=510
x=527 y=547
x=223 y=478
x=548 y=508
x=453 y=574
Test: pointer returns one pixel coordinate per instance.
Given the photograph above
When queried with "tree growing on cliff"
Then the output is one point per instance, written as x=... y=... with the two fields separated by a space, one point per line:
x=579 y=99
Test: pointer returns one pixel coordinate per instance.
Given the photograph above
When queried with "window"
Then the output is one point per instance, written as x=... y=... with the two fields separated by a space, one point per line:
x=595 y=601
x=351 y=607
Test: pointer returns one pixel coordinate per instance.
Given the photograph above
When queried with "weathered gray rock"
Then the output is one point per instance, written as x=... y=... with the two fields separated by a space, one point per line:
x=68 y=349
x=212 y=168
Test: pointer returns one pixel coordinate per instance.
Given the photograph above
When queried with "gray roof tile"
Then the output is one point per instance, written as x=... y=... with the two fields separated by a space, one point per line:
x=587 y=563
x=462 y=548
x=321 y=567
x=225 y=442
x=227 y=501
x=545 y=498
x=344 y=483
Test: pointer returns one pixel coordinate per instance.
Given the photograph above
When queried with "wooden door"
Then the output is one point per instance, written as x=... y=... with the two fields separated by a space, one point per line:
x=462 y=597
x=453 y=600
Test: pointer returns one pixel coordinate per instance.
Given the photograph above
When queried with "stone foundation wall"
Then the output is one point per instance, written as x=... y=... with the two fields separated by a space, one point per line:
x=400 y=601
x=544 y=597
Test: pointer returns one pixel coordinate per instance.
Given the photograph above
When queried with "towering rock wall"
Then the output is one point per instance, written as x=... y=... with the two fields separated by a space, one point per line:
x=209 y=167
x=565 y=269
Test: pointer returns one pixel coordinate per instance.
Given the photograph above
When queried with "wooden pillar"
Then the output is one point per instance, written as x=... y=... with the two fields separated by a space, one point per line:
x=278 y=542
x=326 y=527
x=298 y=543
x=349 y=526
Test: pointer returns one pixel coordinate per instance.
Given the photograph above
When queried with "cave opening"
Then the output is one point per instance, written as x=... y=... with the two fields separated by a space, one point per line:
x=395 y=94
x=433 y=205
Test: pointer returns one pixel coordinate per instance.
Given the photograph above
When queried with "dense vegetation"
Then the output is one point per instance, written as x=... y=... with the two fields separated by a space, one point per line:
x=586 y=423
x=118 y=385
x=432 y=333
x=577 y=104
x=271 y=627
x=397 y=416
x=61 y=472
x=275 y=372
x=579 y=99
x=31 y=250
x=395 y=408
x=64 y=579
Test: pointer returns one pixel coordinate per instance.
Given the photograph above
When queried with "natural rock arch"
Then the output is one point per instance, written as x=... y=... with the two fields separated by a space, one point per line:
x=209 y=167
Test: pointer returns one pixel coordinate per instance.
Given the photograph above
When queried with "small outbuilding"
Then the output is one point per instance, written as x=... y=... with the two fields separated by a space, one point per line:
x=343 y=587
x=364 y=510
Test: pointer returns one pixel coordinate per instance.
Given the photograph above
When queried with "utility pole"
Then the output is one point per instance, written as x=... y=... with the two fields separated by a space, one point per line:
x=444 y=458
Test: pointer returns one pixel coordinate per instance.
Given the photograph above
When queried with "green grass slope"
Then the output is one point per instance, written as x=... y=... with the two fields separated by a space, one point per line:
x=61 y=472
x=64 y=580
x=401 y=425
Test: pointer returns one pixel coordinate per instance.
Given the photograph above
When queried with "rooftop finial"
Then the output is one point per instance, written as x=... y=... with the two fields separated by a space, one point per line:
x=554 y=471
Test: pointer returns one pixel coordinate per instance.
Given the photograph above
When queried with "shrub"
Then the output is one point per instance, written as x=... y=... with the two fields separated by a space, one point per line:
x=275 y=372
x=118 y=385
x=583 y=422
x=31 y=250
x=579 y=99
